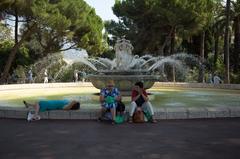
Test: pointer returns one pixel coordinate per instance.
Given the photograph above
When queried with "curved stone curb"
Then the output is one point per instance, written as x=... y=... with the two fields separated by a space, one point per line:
x=45 y=85
x=197 y=85
x=160 y=113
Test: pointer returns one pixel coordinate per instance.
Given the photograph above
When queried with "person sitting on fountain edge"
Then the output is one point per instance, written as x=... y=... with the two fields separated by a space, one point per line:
x=44 y=105
x=109 y=98
x=140 y=100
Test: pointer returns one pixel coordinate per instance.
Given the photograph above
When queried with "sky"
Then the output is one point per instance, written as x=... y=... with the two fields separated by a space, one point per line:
x=103 y=8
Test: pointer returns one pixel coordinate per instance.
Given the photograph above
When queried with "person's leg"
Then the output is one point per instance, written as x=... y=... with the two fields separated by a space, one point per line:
x=132 y=110
x=35 y=106
x=28 y=104
x=103 y=111
x=147 y=106
x=113 y=112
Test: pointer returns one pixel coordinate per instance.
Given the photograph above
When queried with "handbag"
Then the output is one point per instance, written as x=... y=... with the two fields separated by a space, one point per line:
x=138 y=117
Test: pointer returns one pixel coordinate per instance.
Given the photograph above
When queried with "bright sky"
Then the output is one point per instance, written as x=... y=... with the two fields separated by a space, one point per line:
x=103 y=8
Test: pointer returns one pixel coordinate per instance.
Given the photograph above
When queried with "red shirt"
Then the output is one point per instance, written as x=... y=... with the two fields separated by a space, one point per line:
x=135 y=93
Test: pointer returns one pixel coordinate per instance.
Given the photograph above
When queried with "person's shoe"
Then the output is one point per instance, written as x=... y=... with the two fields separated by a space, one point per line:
x=99 y=119
x=113 y=122
x=25 y=103
x=29 y=116
x=36 y=117
x=153 y=121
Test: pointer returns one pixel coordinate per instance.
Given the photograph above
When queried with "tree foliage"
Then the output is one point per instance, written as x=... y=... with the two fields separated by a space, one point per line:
x=149 y=24
x=22 y=57
x=5 y=33
x=54 y=24
x=68 y=22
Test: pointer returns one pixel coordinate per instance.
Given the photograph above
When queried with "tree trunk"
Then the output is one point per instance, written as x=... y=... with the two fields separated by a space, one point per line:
x=173 y=35
x=216 y=48
x=236 y=53
x=226 y=43
x=16 y=26
x=12 y=55
x=167 y=41
x=201 y=67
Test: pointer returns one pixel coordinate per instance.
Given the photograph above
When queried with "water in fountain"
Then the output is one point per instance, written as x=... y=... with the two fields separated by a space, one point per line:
x=125 y=69
x=58 y=63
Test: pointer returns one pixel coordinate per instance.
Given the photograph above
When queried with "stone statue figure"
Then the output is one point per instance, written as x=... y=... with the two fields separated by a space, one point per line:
x=118 y=50
x=123 y=52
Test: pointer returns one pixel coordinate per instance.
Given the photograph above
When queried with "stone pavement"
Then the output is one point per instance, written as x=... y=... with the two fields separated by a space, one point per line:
x=160 y=113
x=168 y=139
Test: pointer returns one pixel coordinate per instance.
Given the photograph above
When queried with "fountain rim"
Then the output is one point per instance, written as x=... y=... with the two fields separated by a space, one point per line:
x=124 y=77
x=89 y=84
x=21 y=113
x=124 y=72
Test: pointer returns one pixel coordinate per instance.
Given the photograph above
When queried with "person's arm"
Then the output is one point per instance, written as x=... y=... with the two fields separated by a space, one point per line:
x=118 y=95
x=144 y=94
x=101 y=97
x=135 y=94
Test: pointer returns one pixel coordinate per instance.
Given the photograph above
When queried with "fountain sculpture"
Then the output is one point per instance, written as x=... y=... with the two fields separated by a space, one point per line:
x=125 y=70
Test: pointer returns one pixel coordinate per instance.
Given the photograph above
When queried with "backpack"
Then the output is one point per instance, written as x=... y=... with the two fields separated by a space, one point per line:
x=120 y=106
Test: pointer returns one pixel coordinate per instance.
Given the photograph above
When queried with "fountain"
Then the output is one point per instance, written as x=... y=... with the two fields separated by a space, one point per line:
x=125 y=70
x=179 y=100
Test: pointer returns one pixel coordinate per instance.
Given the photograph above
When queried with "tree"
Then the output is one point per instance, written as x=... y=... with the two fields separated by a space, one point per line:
x=22 y=56
x=5 y=32
x=226 y=42
x=75 y=23
x=235 y=55
x=54 y=24
x=153 y=25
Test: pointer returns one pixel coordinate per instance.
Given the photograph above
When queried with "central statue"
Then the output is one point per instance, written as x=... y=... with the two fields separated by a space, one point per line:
x=124 y=71
x=123 y=52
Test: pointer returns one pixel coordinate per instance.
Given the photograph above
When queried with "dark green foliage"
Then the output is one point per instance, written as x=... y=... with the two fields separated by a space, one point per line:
x=68 y=21
x=22 y=57
x=53 y=24
x=150 y=24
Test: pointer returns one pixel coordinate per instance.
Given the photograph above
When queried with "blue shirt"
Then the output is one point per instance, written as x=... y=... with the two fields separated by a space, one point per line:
x=52 y=104
x=106 y=93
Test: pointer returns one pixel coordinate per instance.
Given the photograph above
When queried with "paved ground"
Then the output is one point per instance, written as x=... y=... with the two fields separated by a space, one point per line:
x=168 y=139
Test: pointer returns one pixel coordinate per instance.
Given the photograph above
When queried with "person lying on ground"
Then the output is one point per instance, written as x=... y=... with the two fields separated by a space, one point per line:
x=45 y=105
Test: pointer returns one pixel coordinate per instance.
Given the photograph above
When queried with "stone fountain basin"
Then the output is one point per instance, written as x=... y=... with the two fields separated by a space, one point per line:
x=123 y=82
x=124 y=72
